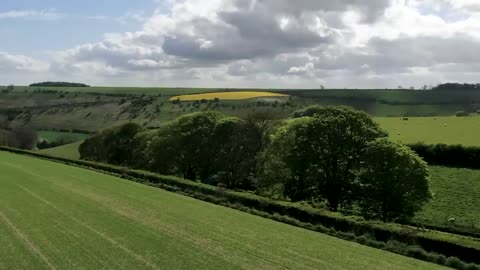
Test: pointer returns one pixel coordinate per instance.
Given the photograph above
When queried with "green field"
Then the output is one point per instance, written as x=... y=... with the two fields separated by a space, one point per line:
x=433 y=130
x=54 y=135
x=56 y=216
x=65 y=151
x=457 y=195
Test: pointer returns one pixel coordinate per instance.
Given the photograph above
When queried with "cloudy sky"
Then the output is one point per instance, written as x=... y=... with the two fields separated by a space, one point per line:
x=241 y=43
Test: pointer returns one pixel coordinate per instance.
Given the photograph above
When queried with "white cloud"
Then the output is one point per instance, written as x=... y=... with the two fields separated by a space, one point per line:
x=10 y=63
x=47 y=14
x=283 y=43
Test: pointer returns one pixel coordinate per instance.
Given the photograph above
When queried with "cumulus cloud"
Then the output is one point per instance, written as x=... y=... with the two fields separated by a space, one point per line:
x=276 y=43
x=10 y=63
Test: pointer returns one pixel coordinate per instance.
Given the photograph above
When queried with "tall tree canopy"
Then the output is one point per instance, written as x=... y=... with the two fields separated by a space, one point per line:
x=394 y=181
x=323 y=152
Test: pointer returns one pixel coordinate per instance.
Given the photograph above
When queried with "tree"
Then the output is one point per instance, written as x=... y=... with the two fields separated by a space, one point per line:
x=26 y=138
x=394 y=181
x=114 y=145
x=323 y=152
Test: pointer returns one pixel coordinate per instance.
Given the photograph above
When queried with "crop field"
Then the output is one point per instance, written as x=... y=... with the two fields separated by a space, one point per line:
x=240 y=95
x=457 y=195
x=65 y=151
x=54 y=135
x=58 y=217
x=433 y=130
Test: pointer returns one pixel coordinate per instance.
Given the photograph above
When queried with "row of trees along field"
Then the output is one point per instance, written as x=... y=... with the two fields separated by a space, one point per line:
x=335 y=156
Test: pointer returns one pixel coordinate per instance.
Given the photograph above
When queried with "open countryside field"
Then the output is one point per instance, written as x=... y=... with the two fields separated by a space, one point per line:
x=434 y=130
x=457 y=195
x=241 y=95
x=56 y=216
x=65 y=151
x=54 y=135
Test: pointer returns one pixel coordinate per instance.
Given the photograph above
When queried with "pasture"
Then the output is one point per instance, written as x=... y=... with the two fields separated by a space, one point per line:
x=57 y=216
x=456 y=195
x=65 y=151
x=433 y=130
x=240 y=95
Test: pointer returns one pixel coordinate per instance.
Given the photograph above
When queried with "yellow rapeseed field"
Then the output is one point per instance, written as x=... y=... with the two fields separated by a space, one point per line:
x=227 y=96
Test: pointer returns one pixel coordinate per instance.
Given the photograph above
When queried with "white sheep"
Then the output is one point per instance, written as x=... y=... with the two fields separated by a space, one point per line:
x=451 y=220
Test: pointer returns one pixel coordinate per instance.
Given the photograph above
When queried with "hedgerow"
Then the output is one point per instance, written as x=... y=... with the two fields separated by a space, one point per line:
x=398 y=239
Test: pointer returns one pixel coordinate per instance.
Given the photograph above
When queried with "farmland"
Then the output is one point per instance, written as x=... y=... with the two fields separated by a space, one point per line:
x=241 y=95
x=65 y=151
x=457 y=195
x=433 y=130
x=56 y=216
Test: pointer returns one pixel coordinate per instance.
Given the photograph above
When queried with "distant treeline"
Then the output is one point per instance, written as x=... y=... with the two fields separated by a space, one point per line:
x=458 y=156
x=59 y=84
x=457 y=86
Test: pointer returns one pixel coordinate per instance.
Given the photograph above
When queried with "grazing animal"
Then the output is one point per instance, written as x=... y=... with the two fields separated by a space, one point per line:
x=451 y=220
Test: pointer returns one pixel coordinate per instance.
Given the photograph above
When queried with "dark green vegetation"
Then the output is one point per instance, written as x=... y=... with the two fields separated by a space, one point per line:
x=322 y=158
x=56 y=216
x=58 y=84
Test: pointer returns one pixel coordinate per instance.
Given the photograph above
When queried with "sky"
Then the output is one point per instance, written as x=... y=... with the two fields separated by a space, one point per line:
x=241 y=43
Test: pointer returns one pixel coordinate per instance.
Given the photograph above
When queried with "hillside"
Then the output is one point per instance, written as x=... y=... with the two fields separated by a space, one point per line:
x=51 y=219
x=94 y=108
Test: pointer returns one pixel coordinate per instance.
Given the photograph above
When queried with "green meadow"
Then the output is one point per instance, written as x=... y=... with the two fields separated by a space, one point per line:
x=54 y=216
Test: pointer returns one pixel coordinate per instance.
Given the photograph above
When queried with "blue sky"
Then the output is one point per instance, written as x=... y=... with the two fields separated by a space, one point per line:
x=241 y=43
x=77 y=22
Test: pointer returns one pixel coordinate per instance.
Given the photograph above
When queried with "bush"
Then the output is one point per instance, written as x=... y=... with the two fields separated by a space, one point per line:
x=462 y=114
x=449 y=155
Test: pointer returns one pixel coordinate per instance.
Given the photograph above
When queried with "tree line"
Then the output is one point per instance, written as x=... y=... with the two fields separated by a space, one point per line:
x=335 y=156
x=58 y=84
x=22 y=138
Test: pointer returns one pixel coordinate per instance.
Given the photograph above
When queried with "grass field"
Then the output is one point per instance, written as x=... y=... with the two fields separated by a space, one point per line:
x=56 y=216
x=241 y=95
x=433 y=130
x=54 y=135
x=457 y=195
x=65 y=151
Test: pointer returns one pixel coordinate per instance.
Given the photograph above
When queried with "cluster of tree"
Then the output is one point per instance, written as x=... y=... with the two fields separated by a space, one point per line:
x=59 y=84
x=61 y=140
x=457 y=86
x=328 y=154
x=449 y=155
x=22 y=138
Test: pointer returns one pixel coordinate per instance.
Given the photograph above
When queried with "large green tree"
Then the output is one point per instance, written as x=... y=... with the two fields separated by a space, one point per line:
x=394 y=181
x=322 y=153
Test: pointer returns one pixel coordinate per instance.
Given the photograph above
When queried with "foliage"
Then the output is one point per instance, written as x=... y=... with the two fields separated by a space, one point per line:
x=449 y=155
x=394 y=181
x=323 y=152
x=59 y=84
x=456 y=86
x=113 y=146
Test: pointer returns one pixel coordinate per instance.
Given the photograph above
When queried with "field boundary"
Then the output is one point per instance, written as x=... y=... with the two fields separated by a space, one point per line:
x=400 y=239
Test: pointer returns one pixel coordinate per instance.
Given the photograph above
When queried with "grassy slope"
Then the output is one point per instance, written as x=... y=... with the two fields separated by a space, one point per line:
x=457 y=192
x=65 y=217
x=457 y=195
x=65 y=151
x=432 y=130
x=54 y=135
